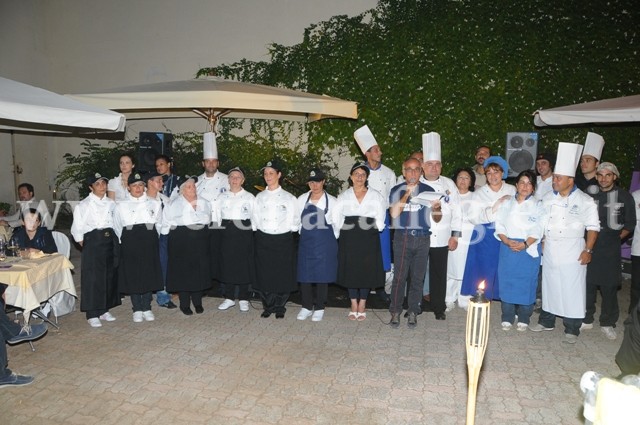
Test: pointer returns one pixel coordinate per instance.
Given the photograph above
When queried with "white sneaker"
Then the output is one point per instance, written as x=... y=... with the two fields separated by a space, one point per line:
x=450 y=307
x=522 y=326
x=137 y=316
x=506 y=326
x=570 y=339
x=304 y=313
x=317 y=316
x=586 y=326
x=148 y=316
x=226 y=304
x=244 y=306
x=108 y=317
x=609 y=332
x=94 y=322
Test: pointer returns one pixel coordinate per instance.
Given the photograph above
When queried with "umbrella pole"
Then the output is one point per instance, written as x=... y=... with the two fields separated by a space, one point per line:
x=15 y=166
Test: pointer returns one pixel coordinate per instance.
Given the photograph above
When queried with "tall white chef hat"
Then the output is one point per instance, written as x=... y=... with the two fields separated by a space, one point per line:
x=431 y=147
x=568 y=159
x=364 y=139
x=209 y=147
x=593 y=145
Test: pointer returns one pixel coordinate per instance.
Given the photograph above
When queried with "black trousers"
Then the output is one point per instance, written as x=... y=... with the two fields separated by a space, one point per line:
x=274 y=302
x=308 y=301
x=609 y=309
x=635 y=282
x=186 y=297
x=438 y=277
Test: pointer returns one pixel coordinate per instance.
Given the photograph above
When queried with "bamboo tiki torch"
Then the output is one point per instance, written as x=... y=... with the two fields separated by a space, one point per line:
x=477 y=335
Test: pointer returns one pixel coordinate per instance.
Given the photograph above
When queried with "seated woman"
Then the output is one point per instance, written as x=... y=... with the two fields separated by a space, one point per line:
x=33 y=236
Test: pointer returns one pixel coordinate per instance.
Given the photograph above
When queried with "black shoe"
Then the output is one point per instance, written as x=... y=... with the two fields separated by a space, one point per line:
x=15 y=380
x=169 y=305
x=279 y=315
x=265 y=314
x=187 y=311
x=199 y=309
x=395 y=321
x=441 y=316
x=412 y=321
x=29 y=333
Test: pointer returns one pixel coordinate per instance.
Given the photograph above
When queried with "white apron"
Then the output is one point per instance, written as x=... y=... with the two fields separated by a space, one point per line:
x=564 y=290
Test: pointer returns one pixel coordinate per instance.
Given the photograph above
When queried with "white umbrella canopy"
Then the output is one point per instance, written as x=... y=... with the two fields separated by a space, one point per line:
x=607 y=111
x=213 y=97
x=28 y=108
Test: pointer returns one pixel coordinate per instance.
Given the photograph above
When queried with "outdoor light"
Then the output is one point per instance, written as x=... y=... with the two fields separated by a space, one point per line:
x=477 y=334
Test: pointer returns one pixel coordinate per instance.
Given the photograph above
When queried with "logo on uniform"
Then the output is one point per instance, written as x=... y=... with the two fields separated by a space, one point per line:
x=575 y=209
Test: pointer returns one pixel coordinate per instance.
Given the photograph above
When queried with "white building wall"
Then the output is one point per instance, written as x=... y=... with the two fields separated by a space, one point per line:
x=75 y=46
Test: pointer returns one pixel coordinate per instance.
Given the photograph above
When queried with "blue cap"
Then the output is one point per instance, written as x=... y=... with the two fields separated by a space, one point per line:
x=501 y=162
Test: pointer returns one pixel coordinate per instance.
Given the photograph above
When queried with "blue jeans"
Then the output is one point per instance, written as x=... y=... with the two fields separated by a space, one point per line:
x=509 y=312
x=163 y=297
x=141 y=302
x=8 y=329
x=571 y=326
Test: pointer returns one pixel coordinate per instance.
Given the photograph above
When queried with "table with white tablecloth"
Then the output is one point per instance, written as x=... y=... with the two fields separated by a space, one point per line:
x=33 y=281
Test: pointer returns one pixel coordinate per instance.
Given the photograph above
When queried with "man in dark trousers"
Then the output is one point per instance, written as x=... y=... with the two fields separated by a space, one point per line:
x=411 y=222
x=617 y=214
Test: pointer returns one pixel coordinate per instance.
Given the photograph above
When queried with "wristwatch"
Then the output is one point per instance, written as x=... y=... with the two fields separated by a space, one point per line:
x=590 y=251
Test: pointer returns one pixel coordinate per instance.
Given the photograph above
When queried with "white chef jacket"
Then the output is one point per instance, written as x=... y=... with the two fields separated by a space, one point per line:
x=92 y=213
x=543 y=187
x=480 y=209
x=276 y=212
x=115 y=185
x=451 y=212
x=210 y=188
x=382 y=179
x=142 y=210
x=179 y=212
x=234 y=206
x=563 y=277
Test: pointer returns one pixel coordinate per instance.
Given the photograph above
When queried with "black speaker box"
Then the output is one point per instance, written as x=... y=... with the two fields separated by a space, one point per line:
x=522 y=149
x=150 y=145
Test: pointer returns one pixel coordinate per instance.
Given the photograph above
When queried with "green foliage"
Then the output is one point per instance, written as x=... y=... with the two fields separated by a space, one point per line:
x=472 y=70
x=95 y=158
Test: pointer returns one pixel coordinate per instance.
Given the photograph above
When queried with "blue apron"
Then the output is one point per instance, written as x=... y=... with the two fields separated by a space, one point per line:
x=318 y=248
x=482 y=262
x=385 y=244
x=518 y=275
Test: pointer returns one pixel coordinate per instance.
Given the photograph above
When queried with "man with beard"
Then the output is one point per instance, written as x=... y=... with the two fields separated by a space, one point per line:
x=617 y=214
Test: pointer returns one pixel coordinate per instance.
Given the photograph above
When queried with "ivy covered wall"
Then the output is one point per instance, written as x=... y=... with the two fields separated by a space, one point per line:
x=471 y=70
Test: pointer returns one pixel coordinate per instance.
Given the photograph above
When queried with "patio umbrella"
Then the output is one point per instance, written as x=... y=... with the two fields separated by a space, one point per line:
x=28 y=108
x=607 y=111
x=212 y=98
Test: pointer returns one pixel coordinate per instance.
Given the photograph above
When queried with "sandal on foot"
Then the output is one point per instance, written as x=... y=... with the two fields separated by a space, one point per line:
x=361 y=317
x=353 y=315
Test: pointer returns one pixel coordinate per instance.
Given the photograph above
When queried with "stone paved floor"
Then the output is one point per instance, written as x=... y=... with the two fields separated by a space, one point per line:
x=237 y=368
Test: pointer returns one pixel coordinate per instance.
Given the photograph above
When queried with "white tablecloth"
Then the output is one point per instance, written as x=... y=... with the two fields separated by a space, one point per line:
x=34 y=281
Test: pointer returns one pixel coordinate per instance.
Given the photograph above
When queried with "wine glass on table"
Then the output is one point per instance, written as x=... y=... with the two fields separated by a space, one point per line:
x=14 y=247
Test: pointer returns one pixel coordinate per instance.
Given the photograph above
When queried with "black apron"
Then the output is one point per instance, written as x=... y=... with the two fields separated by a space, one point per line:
x=139 y=267
x=236 y=252
x=188 y=264
x=275 y=263
x=359 y=257
x=98 y=284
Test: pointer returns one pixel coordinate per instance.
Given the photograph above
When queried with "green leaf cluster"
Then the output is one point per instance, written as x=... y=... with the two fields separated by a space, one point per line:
x=472 y=70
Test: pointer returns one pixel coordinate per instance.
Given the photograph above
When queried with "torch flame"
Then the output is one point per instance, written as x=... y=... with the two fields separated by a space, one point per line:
x=481 y=286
